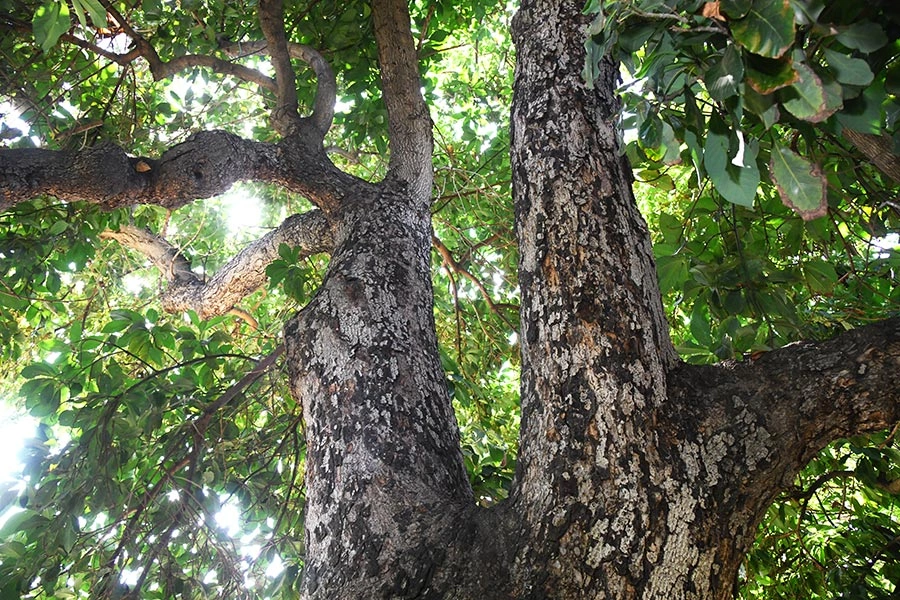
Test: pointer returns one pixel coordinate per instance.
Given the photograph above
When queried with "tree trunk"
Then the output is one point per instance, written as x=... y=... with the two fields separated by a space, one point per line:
x=638 y=477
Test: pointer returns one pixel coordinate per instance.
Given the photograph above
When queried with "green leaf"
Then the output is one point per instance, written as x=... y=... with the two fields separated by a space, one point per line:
x=762 y=106
x=736 y=9
x=820 y=276
x=38 y=369
x=766 y=75
x=737 y=184
x=650 y=128
x=800 y=183
x=849 y=71
x=672 y=272
x=864 y=113
x=723 y=78
x=768 y=28
x=96 y=10
x=864 y=36
x=79 y=12
x=805 y=99
x=699 y=325
x=50 y=21
x=58 y=227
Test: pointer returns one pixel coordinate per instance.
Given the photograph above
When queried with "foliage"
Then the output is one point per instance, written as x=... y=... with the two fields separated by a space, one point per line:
x=153 y=426
x=746 y=274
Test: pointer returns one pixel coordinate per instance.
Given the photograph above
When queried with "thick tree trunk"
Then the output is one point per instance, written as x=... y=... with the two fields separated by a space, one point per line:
x=639 y=477
x=383 y=453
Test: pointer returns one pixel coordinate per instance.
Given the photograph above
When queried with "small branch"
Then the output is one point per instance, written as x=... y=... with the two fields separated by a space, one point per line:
x=454 y=266
x=285 y=117
x=170 y=262
x=326 y=85
x=161 y=69
x=202 y=422
x=241 y=276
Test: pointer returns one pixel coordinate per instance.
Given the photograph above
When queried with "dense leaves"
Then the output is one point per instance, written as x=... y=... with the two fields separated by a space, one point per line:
x=167 y=461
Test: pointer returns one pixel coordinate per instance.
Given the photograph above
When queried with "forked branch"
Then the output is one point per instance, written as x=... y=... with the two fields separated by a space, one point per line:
x=326 y=85
x=161 y=69
x=241 y=276
x=271 y=20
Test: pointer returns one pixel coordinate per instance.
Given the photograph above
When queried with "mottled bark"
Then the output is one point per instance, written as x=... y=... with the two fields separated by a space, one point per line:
x=205 y=165
x=640 y=477
x=594 y=342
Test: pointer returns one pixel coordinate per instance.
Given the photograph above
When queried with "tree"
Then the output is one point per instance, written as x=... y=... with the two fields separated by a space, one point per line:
x=637 y=475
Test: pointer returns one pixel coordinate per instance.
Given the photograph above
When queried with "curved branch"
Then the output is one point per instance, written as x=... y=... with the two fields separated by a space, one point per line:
x=161 y=69
x=271 y=20
x=205 y=165
x=409 y=124
x=241 y=276
x=326 y=85
x=454 y=266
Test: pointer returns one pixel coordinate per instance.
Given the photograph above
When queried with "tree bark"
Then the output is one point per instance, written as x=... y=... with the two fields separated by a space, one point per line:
x=639 y=477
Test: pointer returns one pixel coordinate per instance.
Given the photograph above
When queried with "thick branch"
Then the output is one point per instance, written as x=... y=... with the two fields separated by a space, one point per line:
x=326 y=86
x=208 y=163
x=205 y=165
x=409 y=124
x=243 y=274
x=791 y=402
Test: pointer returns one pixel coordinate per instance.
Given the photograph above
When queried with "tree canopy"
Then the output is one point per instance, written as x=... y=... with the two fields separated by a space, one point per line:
x=766 y=147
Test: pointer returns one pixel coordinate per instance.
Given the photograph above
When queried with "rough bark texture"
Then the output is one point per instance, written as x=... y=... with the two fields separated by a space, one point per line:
x=205 y=165
x=639 y=477
x=240 y=277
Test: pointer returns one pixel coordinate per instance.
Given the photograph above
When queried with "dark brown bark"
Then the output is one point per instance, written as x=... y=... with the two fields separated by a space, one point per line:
x=205 y=165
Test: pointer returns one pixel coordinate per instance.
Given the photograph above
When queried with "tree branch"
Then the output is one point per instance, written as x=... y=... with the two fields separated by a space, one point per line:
x=879 y=149
x=409 y=124
x=326 y=85
x=205 y=165
x=161 y=69
x=454 y=266
x=243 y=274
x=782 y=408
x=271 y=20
